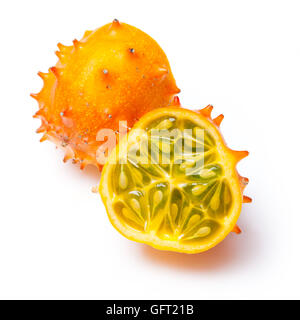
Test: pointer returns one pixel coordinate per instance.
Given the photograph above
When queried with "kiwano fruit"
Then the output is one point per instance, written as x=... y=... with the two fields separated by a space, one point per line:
x=173 y=183
x=114 y=73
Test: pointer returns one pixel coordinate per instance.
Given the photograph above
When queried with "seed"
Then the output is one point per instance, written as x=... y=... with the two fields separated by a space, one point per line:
x=165 y=124
x=157 y=197
x=135 y=205
x=130 y=215
x=207 y=173
x=123 y=180
x=227 y=196
x=174 y=211
x=215 y=202
x=197 y=190
x=203 y=232
x=187 y=164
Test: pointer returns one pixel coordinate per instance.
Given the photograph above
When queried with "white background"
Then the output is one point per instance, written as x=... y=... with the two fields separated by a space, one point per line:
x=55 y=238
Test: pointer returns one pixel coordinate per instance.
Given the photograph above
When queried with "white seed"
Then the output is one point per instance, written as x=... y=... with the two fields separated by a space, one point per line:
x=215 y=202
x=227 y=197
x=202 y=232
x=131 y=216
x=123 y=180
x=174 y=211
x=157 y=197
x=135 y=205
x=197 y=190
x=207 y=173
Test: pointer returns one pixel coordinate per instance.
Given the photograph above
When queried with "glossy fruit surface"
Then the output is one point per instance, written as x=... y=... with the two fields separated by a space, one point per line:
x=115 y=73
x=173 y=184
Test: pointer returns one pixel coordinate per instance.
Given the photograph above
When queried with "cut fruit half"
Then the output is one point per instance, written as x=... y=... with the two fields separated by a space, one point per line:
x=173 y=183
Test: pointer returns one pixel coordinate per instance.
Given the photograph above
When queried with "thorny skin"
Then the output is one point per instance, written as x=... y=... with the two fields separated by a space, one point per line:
x=114 y=73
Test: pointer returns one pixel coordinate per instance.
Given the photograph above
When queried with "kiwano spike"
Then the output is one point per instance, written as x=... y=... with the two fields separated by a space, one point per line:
x=247 y=199
x=116 y=23
x=55 y=71
x=236 y=229
x=83 y=164
x=76 y=43
x=35 y=96
x=65 y=50
x=39 y=113
x=61 y=47
x=218 y=120
x=239 y=155
x=207 y=111
x=43 y=75
x=91 y=91
x=176 y=101
x=44 y=137
x=59 y=54
x=66 y=158
x=243 y=182
x=69 y=154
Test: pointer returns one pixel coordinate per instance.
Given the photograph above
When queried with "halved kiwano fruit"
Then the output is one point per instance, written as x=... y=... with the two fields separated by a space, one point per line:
x=173 y=184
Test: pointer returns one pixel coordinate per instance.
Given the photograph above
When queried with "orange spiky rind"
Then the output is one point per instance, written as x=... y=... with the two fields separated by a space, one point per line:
x=239 y=155
x=75 y=84
x=116 y=22
x=43 y=75
x=218 y=120
x=44 y=137
x=56 y=71
x=76 y=44
x=247 y=199
x=236 y=229
x=34 y=96
x=176 y=102
x=207 y=111
x=61 y=47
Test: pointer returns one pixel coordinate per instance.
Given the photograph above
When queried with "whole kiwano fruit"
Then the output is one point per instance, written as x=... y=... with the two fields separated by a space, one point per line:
x=115 y=73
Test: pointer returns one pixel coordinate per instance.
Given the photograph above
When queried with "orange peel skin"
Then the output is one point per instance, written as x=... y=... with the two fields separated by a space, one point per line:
x=160 y=204
x=115 y=73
